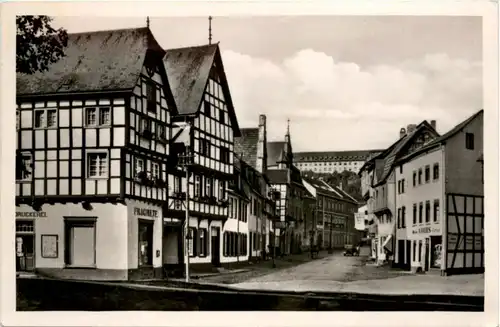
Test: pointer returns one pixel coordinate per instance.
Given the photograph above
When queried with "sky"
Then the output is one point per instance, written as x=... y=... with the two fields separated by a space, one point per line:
x=345 y=82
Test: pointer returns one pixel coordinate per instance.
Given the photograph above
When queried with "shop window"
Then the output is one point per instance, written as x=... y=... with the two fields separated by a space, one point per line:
x=80 y=242
x=202 y=242
x=414 y=247
x=419 y=251
x=145 y=243
x=192 y=241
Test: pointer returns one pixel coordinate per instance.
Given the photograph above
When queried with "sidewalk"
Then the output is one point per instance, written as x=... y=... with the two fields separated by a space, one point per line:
x=472 y=285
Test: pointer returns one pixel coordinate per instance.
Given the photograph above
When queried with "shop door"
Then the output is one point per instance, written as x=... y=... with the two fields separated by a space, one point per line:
x=215 y=246
x=408 y=255
x=401 y=253
x=427 y=254
x=25 y=252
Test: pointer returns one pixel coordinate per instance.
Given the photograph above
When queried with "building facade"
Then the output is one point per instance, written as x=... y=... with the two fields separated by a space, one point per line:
x=92 y=154
x=437 y=184
x=332 y=161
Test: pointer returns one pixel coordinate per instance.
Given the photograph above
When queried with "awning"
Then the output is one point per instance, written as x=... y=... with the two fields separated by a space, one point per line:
x=388 y=244
x=172 y=222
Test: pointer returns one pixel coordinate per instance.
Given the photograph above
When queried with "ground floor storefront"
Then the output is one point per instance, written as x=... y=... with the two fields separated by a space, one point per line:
x=103 y=241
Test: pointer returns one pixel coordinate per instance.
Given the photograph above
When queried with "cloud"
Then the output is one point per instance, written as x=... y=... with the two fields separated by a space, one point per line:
x=340 y=105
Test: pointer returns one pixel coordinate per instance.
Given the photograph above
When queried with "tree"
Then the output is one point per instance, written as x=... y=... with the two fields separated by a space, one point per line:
x=38 y=44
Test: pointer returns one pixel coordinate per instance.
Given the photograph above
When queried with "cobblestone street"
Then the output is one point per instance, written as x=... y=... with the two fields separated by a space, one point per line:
x=352 y=274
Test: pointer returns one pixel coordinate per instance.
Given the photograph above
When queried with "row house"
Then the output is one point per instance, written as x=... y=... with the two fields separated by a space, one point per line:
x=384 y=184
x=334 y=211
x=104 y=147
x=251 y=147
x=286 y=179
x=439 y=200
x=93 y=158
x=204 y=139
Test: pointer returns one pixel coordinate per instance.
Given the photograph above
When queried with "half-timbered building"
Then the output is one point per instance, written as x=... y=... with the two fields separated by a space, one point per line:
x=205 y=109
x=92 y=158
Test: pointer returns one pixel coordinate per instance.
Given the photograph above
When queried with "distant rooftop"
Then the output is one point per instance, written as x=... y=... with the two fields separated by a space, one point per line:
x=353 y=155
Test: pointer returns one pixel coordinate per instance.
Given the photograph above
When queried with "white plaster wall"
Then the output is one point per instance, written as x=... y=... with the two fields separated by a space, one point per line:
x=111 y=233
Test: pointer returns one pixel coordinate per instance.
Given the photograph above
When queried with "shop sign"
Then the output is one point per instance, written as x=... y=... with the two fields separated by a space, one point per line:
x=145 y=212
x=31 y=214
x=425 y=230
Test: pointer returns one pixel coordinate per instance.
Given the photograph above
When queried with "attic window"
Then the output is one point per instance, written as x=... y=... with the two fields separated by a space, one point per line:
x=151 y=96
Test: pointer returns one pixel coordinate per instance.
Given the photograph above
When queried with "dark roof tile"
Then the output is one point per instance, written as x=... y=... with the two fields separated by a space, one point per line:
x=246 y=145
x=93 y=61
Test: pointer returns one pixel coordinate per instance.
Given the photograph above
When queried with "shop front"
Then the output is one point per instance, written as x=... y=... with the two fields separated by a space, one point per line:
x=427 y=244
x=25 y=240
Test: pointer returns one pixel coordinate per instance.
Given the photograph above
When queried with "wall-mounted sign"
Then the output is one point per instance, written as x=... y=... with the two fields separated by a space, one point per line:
x=31 y=214
x=145 y=212
x=426 y=230
x=49 y=246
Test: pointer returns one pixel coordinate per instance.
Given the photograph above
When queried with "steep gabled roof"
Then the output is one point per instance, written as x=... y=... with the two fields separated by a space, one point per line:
x=275 y=152
x=188 y=70
x=246 y=145
x=385 y=162
x=443 y=138
x=94 y=61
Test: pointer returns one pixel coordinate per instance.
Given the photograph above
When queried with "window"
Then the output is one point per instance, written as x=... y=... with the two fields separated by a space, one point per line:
x=420 y=212
x=151 y=96
x=79 y=239
x=209 y=186
x=97 y=165
x=435 y=171
x=427 y=211
x=160 y=132
x=414 y=246
x=177 y=184
x=207 y=109
x=436 y=210
x=403 y=185
x=399 y=218
x=420 y=176
x=145 y=242
x=202 y=242
x=401 y=169
x=419 y=250
x=427 y=173
x=97 y=116
x=224 y=155
x=46 y=118
x=414 y=214
x=204 y=148
x=155 y=170
x=469 y=141
x=197 y=186
x=403 y=217
x=18 y=119
x=222 y=116
x=139 y=166
x=192 y=238
x=414 y=178
x=146 y=125
x=104 y=116
x=24 y=166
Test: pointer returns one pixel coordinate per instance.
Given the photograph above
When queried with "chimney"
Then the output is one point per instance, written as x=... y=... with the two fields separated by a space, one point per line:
x=402 y=132
x=433 y=124
x=261 y=164
x=411 y=128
